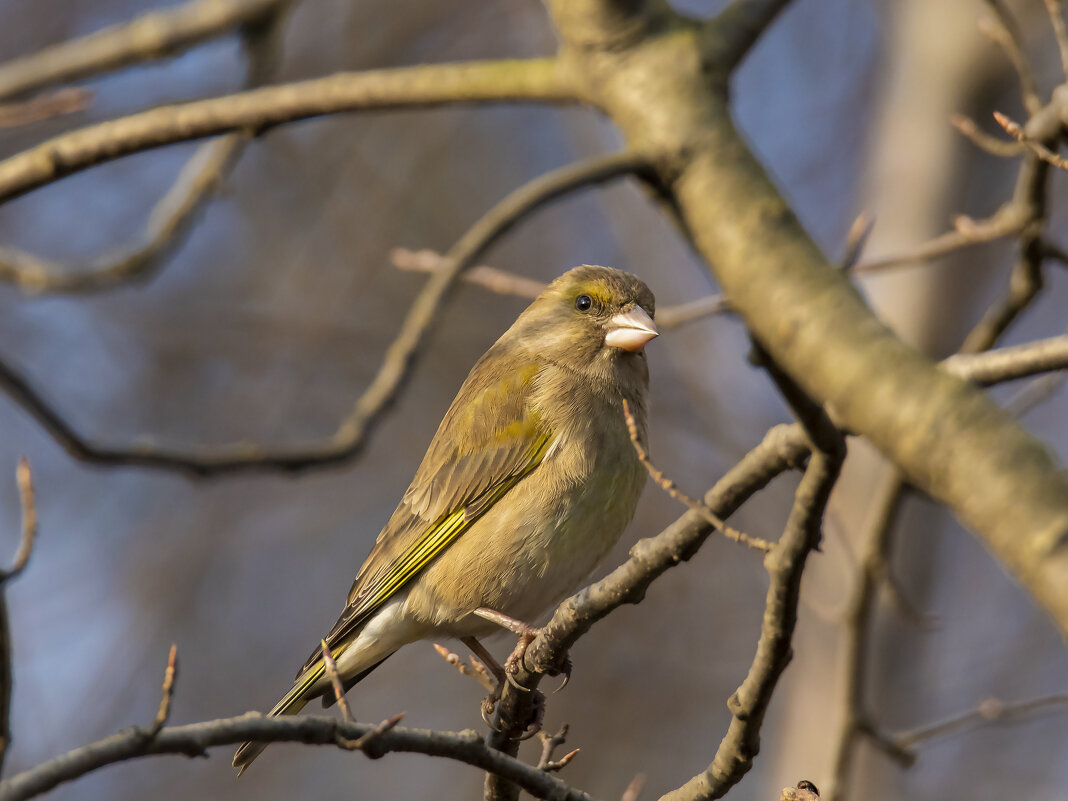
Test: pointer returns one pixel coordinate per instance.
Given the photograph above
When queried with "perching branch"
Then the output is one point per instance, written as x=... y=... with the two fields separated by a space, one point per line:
x=258 y=110
x=195 y=739
x=351 y=435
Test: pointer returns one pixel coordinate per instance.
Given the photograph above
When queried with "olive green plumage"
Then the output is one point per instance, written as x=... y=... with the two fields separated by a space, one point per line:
x=528 y=482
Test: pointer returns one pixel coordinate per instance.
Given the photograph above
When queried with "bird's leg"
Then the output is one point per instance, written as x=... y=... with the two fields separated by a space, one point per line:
x=494 y=667
x=526 y=633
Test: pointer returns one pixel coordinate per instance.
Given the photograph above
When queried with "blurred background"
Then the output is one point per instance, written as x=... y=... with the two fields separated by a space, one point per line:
x=271 y=318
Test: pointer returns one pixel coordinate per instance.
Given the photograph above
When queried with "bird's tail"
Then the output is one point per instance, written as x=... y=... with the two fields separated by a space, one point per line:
x=292 y=702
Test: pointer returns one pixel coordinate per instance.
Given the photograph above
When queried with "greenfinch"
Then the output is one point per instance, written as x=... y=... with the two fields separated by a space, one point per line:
x=527 y=484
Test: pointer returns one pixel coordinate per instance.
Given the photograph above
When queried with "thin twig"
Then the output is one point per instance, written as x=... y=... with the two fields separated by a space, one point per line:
x=983 y=140
x=476 y=671
x=549 y=743
x=53 y=104
x=365 y=741
x=1056 y=16
x=330 y=667
x=151 y=36
x=672 y=489
x=195 y=739
x=170 y=675
x=859 y=232
x=351 y=435
x=1012 y=363
x=1004 y=32
x=1016 y=131
x=503 y=282
x=1035 y=392
x=989 y=711
x=634 y=789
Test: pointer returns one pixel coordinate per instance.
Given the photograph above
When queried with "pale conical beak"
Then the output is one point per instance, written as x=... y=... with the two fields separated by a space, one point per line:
x=630 y=330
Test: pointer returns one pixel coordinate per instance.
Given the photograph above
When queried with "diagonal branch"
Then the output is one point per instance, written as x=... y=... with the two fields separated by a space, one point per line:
x=518 y=80
x=396 y=365
x=194 y=739
x=173 y=216
x=738 y=27
x=151 y=36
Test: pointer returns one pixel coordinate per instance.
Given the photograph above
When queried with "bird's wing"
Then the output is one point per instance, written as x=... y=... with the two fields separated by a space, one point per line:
x=488 y=442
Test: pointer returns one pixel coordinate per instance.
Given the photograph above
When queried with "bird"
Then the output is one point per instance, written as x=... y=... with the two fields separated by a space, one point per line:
x=527 y=484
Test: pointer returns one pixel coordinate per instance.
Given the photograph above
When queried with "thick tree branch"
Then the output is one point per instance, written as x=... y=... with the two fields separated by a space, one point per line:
x=531 y=80
x=733 y=33
x=948 y=437
x=154 y=35
x=351 y=435
x=193 y=740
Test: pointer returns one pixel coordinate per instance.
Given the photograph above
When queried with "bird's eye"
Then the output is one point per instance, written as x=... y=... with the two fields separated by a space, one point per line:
x=583 y=303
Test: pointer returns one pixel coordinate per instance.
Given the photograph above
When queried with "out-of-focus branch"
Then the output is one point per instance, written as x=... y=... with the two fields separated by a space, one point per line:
x=990 y=711
x=1009 y=364
x=173 y=216
x=24 y=480
x=374 y=741
x=350 y=436
x=154 y=35
x=503 y=282
x=520 y=80
x=983 y=140
x=734 y=31
x=54 y=104
x=1003 y=30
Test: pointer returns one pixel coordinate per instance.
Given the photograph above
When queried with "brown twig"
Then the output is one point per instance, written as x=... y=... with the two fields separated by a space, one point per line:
x=1012 y=363
x=983 y=140
x=503 y=282
x=349 y=438
x=330 y=668
x=634 y=789
x=170 y=675
x=53 y=104
x=476 y=671
x=672 y=489
x=549 y=743
x=195 y=739
x=856 y=239
x=366 y=741
x=989 y=711
x=1017 y=132
x=27 y=537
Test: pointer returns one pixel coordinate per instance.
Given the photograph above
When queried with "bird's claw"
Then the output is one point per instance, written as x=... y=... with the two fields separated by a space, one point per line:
x=565 y=671
x=539 y=716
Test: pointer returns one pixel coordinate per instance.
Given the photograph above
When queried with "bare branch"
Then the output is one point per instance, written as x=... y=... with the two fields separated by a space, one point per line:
x=258 y=110
x=351 y=435
x=1056 y=16
x=1006 y=221
x=477 y=671
x=54 y=104
x=634 y=789
x=983 y=140
x=857 y=238
x=503 y=282
x=1003 y=30
x=154 y=35
x=1035 y=392
x=989 y=711
x=672 y=489
x=173 y=216
x=196 y=738
x=1017 y=132
x=1009 y=364
x=549 y=743
x=170 y=675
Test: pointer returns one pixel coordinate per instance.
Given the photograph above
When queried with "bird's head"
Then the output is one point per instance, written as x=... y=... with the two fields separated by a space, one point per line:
x=595 y=320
